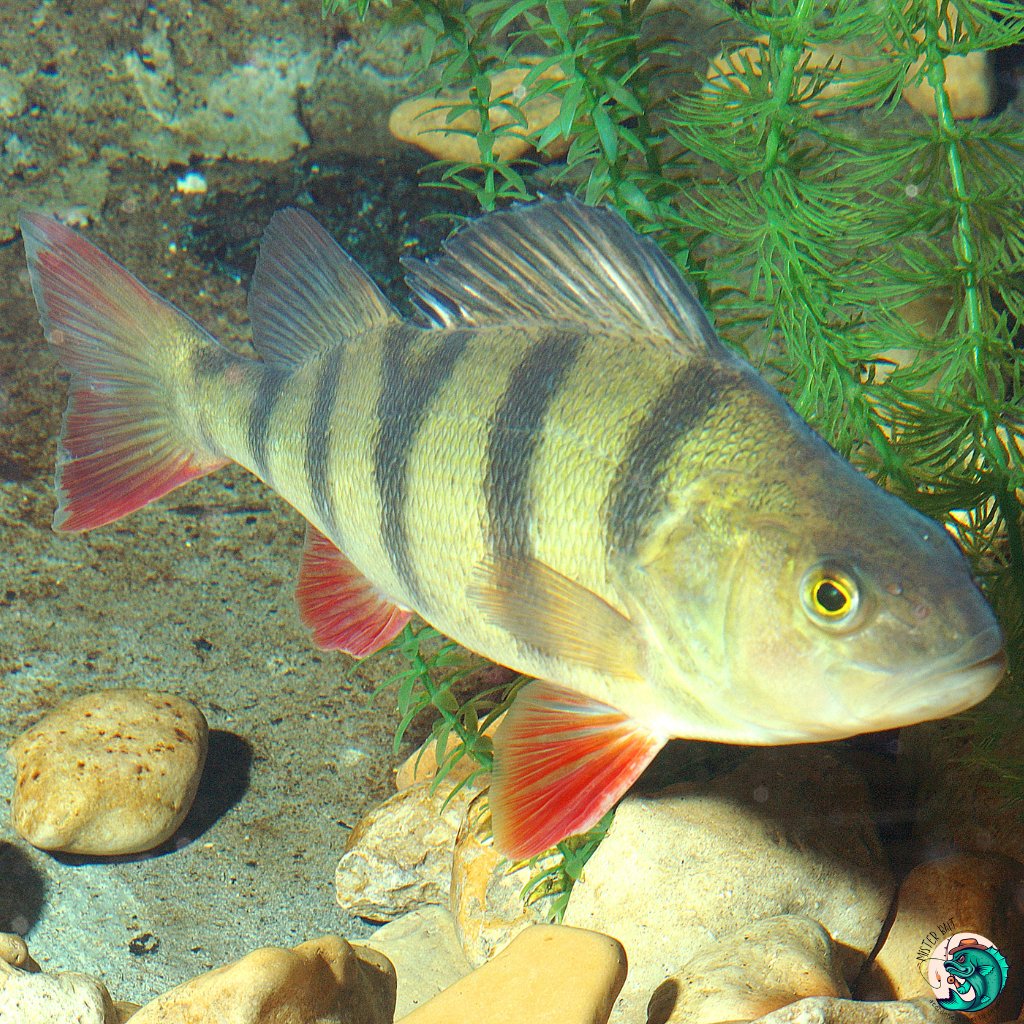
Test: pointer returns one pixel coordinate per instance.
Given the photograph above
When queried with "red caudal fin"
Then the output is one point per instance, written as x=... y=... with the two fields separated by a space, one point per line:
x=561 y=760
x=120 y=445
x=340 y=605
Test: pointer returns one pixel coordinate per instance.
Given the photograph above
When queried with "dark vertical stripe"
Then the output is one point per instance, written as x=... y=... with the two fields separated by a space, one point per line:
x=513 y=438
x=261 y=412
x=635 y=496
x=318 y=436
x=409 y=385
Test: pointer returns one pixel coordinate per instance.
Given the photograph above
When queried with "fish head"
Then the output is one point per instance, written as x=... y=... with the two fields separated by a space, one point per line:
x=851 y=614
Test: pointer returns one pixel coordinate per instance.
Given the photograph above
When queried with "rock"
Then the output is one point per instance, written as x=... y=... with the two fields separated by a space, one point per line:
x=980 y=892
x=68 y=998
x=788 y=832
x=770 y=964
x=487 y=891
x=826 y=1010
x=547 y=975
x=123 y=1011
x=111 y=772
x=426 y=953
x=399 y=856
x=424 y=120
x=14 y=951
x=323 y=981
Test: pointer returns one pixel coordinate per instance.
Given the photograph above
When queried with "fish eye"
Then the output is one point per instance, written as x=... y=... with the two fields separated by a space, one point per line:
x=830 y=596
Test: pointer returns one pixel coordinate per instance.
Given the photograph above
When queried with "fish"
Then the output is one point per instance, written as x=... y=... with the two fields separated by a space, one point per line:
x=558 y=464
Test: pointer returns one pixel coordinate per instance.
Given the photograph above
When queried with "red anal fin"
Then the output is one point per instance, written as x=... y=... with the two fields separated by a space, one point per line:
x=561 y=760
x=340 y=605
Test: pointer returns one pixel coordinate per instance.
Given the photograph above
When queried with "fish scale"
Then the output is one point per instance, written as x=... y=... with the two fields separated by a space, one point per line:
x=561 y=467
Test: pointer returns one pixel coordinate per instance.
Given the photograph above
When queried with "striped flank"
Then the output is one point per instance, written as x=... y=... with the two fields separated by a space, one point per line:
x=514 y=436
x=636 y=494
x=318 y=437
x=409 y=385
x=271 y=385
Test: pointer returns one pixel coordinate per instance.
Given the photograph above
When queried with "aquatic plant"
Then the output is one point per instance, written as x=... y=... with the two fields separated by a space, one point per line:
x=868 y=261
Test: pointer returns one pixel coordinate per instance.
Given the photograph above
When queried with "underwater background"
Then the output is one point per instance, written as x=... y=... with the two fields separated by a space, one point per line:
x=170 y=132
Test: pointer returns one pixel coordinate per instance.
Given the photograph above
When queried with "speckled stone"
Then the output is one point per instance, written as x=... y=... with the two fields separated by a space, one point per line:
x=111 y=772
x=323 y=981
x=28 y=997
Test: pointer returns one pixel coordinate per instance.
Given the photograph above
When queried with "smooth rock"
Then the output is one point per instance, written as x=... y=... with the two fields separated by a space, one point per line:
x=65 y=998
x=399 y=856
x=426 y=953
x=970 y=86
x=547 y=975
x=323 y=981
x=14 y=951
x=770 y=964
x=788 y=832
x=487 y=891
x=112 y=772
x=826 y=1010
x=424 y=121
x=976 y=893
x=124 y=1011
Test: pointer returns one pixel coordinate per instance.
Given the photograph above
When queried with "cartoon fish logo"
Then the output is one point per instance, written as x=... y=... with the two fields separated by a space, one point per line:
x=972 y=975
x=561 y=467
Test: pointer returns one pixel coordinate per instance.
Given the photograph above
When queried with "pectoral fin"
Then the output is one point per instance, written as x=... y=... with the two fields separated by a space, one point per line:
x=557 y=616
x=561 y=760
x=340 y=605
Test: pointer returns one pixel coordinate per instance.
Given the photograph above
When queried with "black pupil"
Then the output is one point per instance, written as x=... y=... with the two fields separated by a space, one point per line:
x=830 y=597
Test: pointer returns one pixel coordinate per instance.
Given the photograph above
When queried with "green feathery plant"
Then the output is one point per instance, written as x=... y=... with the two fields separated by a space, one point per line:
x=815 y=234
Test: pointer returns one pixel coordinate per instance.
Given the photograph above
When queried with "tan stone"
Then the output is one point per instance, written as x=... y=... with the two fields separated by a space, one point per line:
x=426 y=953
x=787 y=832
x=547 y=975
x=323 y=981
x=979 y=893
x=14 y=951
x=123 y=1011
x=399 y=856
x=67 y=998
x=761 y=968
x=424 y=122
x=486 y=894
x=828 y=1010
x=970 y=85
x=111 y=772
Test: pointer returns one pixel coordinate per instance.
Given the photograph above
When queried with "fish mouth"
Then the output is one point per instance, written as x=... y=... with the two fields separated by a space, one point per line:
x=949 y=685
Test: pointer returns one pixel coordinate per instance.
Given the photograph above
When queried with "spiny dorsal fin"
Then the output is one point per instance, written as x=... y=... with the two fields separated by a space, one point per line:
x=559 y=261
x=308 y=295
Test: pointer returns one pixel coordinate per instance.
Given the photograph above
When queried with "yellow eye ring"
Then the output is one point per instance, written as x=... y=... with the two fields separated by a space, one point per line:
x=830 y=596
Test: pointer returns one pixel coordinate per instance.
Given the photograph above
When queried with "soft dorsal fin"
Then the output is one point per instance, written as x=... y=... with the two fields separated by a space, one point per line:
x=307 y=293
x=559 y=261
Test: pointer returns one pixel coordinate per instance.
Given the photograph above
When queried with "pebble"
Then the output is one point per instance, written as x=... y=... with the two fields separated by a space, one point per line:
x=487 y=891
x=399 y=856
x=14 y=951
x=549 y=974
x=28 y=997
x=323 y=981
x=423 y=121
x=111 y=772
x=761 y=968
x=979 y=893
x=426 y=953
x=788 y=832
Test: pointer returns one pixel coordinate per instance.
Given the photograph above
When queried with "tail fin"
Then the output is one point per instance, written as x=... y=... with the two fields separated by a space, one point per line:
x=122 y=444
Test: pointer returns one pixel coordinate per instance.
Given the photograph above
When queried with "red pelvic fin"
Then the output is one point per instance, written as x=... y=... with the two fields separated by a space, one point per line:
x=561 y=760
x=120 y=446
x=340 y=605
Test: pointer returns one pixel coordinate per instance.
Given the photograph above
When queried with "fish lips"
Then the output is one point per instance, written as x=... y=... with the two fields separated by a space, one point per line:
x=946 y=686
